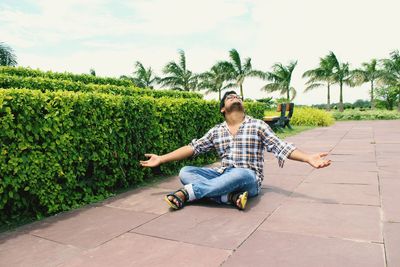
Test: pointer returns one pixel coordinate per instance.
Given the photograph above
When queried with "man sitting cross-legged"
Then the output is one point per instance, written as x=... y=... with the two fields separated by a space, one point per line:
x=240 y=142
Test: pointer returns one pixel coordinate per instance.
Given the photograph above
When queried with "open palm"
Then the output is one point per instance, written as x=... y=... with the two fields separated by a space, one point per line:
x=153 y=161
x=318 y=161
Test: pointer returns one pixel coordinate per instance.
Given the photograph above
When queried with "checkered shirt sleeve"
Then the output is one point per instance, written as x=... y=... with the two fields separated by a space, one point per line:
x=280 y=148
x=203 y=144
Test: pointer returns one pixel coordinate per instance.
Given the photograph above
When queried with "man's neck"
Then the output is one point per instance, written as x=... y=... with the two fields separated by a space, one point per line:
x=234 y=118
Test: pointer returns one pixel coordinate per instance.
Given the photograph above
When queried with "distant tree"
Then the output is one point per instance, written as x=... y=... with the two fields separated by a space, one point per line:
x=7 y=56
x=214 y=80
x=388 y=95
x=368 y=73
x=342 y=76
x=323 y=73
x=240 y=71
x=268 y=101
x=281 y=77
x=144 y=78
x=178 y=76
x=92 y=72
x=391 y=73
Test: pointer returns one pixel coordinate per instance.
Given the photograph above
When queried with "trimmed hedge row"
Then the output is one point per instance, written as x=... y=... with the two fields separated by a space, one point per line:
x=376 y=114
x=47 y=84
x=84 y=78
x=307 y=116
x=311 y=117
x=60 y=150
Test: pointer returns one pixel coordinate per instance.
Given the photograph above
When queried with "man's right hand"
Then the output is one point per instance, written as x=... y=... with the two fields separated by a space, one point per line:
x=153 y=161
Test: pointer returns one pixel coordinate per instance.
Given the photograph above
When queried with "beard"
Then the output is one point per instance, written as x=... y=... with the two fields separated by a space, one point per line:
x=236 y=106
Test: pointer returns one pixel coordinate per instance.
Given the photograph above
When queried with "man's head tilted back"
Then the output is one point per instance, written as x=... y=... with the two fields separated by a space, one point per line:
x=236 y=106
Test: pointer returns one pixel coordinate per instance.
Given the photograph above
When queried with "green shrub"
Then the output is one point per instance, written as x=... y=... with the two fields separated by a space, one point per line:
x=84 y=78
x=59 y=150
x=307 y=116
x=255 y=109
x=366 y=115
x=311 y=117
x=48 y=84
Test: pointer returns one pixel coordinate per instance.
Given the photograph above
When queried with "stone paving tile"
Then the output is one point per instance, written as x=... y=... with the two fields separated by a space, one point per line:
x=137 y=250
x=392 y=243
x=388 y=174
x=282 y=182
x=268 y=200
x=329 y=220
x=388 y=148
x=387 y=138
x=359 y=157
x=289 y=168
x=213 y=226
x=286 y=249
x=337 y=194
x=91 y=227
x=390 y=189
x=27 y=250
x=171 y=183
x=390 y=170
x=343 y=177
x=350 y=166
x=147 y=199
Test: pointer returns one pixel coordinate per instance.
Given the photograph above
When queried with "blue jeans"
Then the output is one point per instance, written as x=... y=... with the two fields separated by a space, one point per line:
x=208 y=183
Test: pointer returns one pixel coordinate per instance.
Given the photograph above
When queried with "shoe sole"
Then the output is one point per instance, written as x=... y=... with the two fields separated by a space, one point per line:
x=169 y=202
x=243 y=200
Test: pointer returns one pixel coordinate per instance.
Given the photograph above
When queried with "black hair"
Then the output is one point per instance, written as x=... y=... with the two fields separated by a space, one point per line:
x=222 y=103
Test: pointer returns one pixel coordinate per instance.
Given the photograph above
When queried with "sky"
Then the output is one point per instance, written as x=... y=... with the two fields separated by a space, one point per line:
x=111 y=35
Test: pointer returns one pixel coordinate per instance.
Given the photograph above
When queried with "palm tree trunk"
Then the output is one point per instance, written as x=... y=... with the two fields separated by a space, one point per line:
x=241 y=91
x=372 y=95
x=288 y=94
x=398 y=105
x=341 y=97
x=219 y=94
x=328 y=105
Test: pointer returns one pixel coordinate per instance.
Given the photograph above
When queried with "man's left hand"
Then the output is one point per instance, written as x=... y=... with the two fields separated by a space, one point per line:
x=318 y=161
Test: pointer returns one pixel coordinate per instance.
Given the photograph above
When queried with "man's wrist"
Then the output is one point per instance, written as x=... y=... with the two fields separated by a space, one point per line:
x=162 y=160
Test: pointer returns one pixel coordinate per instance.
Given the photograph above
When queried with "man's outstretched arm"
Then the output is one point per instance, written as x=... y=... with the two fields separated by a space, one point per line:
x=316 y=160
x=179 y=154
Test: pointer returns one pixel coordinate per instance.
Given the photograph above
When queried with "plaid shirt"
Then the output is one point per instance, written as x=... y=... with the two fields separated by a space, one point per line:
x=246 y=148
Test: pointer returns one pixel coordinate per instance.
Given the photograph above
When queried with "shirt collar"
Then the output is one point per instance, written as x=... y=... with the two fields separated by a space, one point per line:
x=246 y=120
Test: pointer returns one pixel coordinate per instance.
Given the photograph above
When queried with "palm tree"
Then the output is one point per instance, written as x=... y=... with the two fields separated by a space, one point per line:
x=341 y=75
x=179 y=77
x=281 y=77
x=323 y=73
x=369 y=73
x=214 y=79
x=7 y=55
x=144 y=78
x=92 y=72
x=241 y=71
x=391 y=72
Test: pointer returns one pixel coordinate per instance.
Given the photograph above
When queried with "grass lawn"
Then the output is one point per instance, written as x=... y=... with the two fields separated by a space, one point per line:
x=295 y=130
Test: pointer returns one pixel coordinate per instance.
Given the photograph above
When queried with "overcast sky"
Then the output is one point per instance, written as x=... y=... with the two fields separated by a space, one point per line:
x=110 y=35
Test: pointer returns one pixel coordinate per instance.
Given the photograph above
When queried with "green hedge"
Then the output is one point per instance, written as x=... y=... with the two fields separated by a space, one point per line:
x=48 y=84
x=307 y=116
x=311 y=117
x=59 y=150
x=366 y=115
x=84 y=78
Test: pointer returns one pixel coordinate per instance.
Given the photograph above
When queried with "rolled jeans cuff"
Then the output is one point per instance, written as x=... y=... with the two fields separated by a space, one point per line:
x=189 y=189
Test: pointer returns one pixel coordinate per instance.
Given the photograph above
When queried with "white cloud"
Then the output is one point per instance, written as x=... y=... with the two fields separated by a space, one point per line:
x=266 y=31
x=185 y=17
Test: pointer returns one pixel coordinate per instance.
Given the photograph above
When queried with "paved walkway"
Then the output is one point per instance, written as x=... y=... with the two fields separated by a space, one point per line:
x=344 y=215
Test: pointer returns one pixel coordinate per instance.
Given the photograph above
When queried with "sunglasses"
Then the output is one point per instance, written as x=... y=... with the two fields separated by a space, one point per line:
x=233 y=96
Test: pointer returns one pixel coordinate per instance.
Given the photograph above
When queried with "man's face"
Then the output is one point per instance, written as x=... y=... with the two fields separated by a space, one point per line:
x=233 y=102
